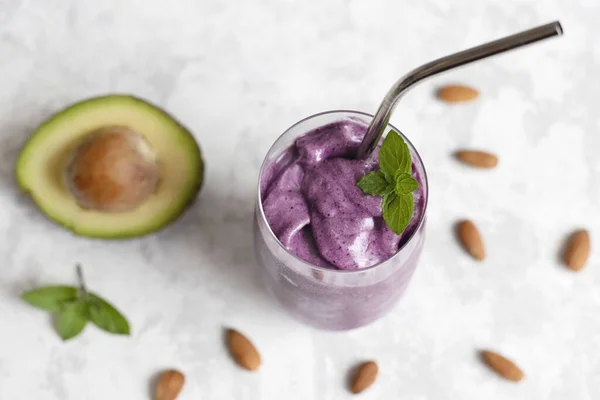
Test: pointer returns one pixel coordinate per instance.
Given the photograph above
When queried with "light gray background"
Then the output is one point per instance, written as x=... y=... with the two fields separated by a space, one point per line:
x=238 y=73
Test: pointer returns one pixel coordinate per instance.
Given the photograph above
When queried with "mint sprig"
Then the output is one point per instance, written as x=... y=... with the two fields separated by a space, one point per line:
x=74 y=307
x=393 y=182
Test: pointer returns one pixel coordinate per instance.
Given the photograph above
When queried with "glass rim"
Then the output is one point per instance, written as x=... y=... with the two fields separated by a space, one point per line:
x=331 y=270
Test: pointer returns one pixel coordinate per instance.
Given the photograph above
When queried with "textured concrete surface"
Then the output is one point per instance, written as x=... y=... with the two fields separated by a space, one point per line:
x=238 y=74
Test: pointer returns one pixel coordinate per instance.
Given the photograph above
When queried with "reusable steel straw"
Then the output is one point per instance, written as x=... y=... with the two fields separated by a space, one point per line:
x=382 y=117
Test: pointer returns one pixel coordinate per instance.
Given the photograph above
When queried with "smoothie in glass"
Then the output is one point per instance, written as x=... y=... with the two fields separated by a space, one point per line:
x=324 y=250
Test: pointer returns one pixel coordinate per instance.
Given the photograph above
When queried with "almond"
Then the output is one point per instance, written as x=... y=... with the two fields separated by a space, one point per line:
x=479 y=159
x=242 y=350
x=471 y=239
x=457 y=93
x=577 y=250
x=502 y=366
x=169 y=385
x=364 y=377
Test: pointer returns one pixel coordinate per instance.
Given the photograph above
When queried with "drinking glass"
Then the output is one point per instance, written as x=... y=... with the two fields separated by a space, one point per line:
x=333 y=299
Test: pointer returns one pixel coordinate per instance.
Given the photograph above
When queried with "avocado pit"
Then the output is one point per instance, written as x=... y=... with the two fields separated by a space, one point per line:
x=114 y=169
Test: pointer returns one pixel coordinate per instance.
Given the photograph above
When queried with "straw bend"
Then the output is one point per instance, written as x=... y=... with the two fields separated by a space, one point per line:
x=382 y=117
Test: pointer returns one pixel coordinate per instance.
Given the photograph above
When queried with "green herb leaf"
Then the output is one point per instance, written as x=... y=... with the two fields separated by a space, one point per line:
x=397 y=211
x=394 y=156
x=393 y=182
x=405 y=184
x=50 y=298
x=105 y=316
x=71 y=319
x=374 y=183
x=74 y=307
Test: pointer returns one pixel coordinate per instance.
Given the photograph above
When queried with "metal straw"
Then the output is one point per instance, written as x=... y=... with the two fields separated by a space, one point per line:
x=382 y=117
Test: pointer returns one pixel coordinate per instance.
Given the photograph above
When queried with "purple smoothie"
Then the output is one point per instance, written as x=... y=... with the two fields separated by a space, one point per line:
x=316 y=210
x=323 y=249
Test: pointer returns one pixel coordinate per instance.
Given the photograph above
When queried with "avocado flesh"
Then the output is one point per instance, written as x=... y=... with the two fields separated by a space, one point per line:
x=42 y=160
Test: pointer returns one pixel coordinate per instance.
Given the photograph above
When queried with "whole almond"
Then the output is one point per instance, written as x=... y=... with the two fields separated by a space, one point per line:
x=242 y=350
x=478 y=159
x=470 y=239
x=577 y=250
x=169 y=385
x=364 y=377
x=457 y=93
x=502 y=366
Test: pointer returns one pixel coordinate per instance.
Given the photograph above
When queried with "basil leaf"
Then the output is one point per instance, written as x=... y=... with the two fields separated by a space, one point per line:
x=105 y=316
x=50 y=298
x=394 y=156
x=397 y=211
x=374 y=183
x=71 y=319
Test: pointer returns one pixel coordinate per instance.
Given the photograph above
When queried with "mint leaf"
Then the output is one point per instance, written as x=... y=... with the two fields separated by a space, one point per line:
x=50 y=298
x=397 y=211
x=374 y=183
x=75 y=306
x=405 y=184
x=71 y=319
x=394 y=156
x=105 y=316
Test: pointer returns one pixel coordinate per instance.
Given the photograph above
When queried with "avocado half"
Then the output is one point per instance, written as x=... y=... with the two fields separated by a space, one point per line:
x=113 y=166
